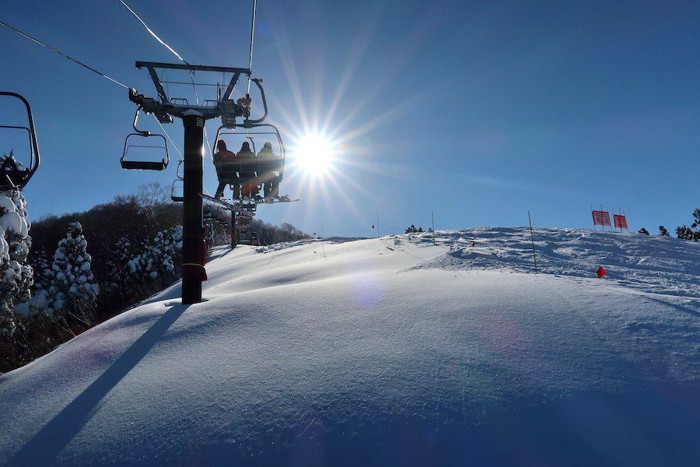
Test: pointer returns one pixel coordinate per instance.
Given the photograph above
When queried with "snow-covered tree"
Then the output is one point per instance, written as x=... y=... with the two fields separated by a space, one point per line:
x=73 y=290
x=159 y=256
x=16 y=276
x=43 y=275
x=663 y=232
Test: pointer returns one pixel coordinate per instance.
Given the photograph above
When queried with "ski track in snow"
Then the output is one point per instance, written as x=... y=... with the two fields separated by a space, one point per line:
x=391 y=351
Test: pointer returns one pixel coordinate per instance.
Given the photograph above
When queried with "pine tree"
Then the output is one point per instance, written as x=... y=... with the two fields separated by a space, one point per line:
x=73 y=290
x=16 y=276
x=685 y=233
x=42 y=270
x=696 y=217
x=663 y=232
x=43 y=274
x=643 y=231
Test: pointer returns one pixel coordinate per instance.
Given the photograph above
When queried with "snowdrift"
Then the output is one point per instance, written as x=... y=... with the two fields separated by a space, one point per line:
x=404 y=350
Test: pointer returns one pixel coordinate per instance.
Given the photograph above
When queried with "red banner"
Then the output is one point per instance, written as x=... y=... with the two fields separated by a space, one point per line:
x=601 y=218
x=620 y=221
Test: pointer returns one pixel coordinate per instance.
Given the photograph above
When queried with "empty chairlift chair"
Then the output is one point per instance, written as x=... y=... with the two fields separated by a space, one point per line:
x=177 y=188
x=137 y=142
x=14 y=175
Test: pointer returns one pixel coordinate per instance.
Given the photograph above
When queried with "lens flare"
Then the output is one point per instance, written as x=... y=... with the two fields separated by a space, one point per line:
x=314 y=154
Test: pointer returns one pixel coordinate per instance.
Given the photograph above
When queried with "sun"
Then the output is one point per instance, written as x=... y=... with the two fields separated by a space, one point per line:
x=314 y=154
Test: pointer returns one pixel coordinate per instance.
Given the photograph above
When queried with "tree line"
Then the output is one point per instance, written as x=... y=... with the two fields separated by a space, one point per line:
x=683 y=232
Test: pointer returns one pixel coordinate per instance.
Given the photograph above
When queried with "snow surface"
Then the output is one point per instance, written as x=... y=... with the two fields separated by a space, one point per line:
x=403 y=350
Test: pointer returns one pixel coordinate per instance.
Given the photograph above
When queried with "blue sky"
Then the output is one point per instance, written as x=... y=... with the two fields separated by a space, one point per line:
x=477 y=111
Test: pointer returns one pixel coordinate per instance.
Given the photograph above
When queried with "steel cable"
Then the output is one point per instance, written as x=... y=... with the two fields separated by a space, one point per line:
x=37 y=41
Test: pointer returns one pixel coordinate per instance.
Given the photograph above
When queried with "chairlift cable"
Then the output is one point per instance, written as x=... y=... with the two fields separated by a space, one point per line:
x=206 y=138
x=252 y=37
x=155 y=36
x=36 y=41
x=168 y=136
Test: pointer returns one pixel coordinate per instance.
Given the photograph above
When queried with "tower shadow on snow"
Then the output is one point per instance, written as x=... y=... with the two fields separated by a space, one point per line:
x=50 y=441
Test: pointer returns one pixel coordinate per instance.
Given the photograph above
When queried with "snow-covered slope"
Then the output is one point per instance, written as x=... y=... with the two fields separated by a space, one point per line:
x=404 y=350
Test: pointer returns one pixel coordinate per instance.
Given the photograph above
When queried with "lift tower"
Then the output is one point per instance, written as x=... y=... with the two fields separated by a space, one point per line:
x=193 y=118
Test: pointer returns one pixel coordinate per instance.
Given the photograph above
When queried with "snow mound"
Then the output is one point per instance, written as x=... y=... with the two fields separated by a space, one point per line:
x=401 y=350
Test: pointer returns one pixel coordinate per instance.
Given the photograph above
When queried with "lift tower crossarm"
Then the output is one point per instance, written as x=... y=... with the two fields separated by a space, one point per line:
x=164 y=109
x=180 y=66
x=151 y=66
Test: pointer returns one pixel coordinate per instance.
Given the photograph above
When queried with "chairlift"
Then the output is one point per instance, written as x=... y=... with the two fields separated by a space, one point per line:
x=245 y=172
x=13 y=174
x=131 y=144
x=177 y=190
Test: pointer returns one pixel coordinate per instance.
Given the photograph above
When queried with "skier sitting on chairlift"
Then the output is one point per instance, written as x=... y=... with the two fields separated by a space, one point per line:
x=267 y=161
x=221 y=157
x=247 y=159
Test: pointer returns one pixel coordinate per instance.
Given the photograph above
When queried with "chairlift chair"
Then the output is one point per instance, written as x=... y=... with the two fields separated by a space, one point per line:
x=130 y=144
x=177 y=188
x=13 y=174
x=245 y=172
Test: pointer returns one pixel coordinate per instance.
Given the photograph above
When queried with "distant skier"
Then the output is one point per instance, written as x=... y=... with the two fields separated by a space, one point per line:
x=600 y=272
x=420 y=229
